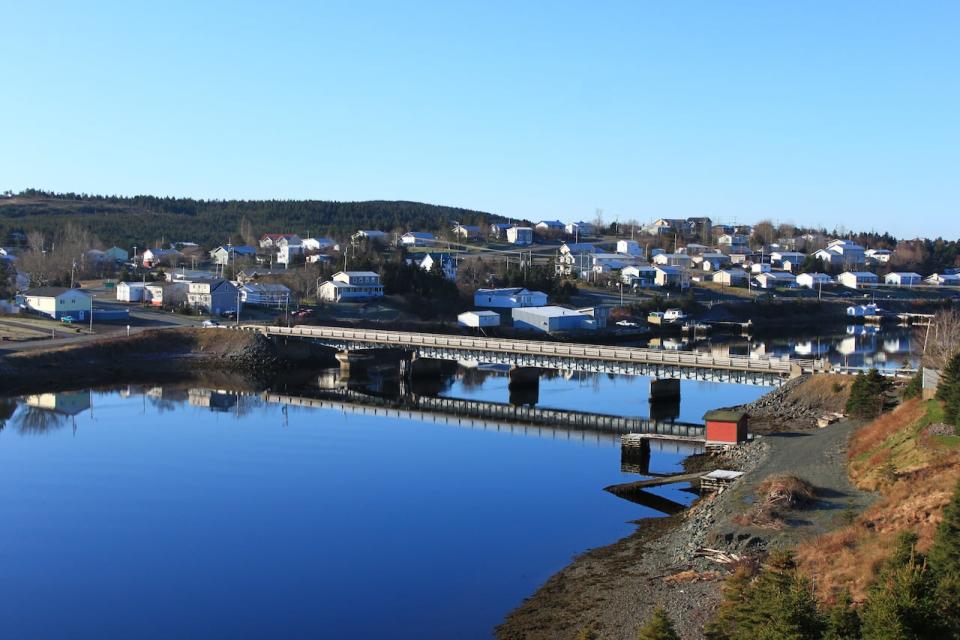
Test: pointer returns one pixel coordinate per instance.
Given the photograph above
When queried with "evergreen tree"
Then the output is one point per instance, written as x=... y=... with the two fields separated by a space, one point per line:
x=843 y=622
x=658 y=627
x=948 y=391
x=901 y=604
x=944 y=562
x=867 y=395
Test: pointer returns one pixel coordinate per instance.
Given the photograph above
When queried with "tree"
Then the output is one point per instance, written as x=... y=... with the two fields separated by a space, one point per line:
x=7 y=280
x=867 y=395
x=944 y=560
x=658 y=627
x=940 y=339
x=901 y=604
x=843 y=621
x=948 y=390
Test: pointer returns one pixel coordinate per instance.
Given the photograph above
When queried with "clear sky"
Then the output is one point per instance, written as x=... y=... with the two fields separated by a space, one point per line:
x=830 y=113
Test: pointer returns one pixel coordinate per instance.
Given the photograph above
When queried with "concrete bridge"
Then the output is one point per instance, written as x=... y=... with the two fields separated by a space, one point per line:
x=655 y=363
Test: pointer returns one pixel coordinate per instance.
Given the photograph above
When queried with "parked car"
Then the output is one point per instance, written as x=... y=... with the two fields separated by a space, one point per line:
x=67 y=319
x=208 y=324
x=230 y=315
x=627 y=323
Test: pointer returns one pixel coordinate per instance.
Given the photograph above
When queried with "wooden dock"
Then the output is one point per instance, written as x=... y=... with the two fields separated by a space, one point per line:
x=627 y=487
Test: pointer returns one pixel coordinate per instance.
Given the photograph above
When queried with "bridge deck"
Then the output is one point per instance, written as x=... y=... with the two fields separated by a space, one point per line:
x=541 y=351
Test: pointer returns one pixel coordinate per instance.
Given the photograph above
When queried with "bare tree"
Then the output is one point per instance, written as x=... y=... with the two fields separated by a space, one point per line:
x=940 y=339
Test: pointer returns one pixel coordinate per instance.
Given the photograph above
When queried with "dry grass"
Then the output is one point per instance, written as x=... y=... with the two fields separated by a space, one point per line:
x=693 y=576
x=915 y=476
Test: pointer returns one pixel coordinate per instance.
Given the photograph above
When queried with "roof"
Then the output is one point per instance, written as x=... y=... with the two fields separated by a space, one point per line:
x=426 y=235
x=359 y=274
x=274 y=236
x=903 y=273
x=468 y=227
x=482 y=313
x=727 y=414
x=509 y=291
x=50 y=292
x=860 y=274
x=550 y=311
x=665 y=268
x=266 y=287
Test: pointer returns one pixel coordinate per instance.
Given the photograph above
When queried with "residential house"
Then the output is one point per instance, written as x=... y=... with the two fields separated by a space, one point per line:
x=213 y=295
x=944 y=280
x=694 y=249
x=813 y=280
x=131 y=291
x=547 y=226
x=167 y=294
x=580 y=229
x=828 y=257
x=156 y=257
x=277 y=240
x=59 y=302
x=674 y=260
x=714 y=261
x=318 y=244
x=638 y=275
x=417 y=239
x=699 y=227
x=520 y=235
x=224 y=255
x=667 y=276
x=265 y=294
x=288 y=254
x=760 y=267
x=510 y=298
x=730 y=277
x=664 y=225
x=732 y=240
x=858 y=279
x=878 y=256
x=574 y=258
x=629 y=248
x=793 y=265
x=903 y=279
x=447 y=264
x=851 y=254
x=551 y=319
x=499 y=229
x=774 y=279
x=351 y=285
x=795 y=257
x=467 y=232
x=606 y=262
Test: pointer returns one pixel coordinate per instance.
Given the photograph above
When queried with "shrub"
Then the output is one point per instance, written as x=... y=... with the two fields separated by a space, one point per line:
x=867 y=395
x=659 y=627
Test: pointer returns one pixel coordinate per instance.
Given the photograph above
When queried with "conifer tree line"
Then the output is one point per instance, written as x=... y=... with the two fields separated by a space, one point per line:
x=948 y=391
x=915 y=597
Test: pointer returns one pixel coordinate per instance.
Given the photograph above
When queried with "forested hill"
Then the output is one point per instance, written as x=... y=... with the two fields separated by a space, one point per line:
x=144 y=220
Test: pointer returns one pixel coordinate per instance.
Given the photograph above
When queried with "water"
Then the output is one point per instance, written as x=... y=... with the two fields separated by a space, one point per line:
x=177 y=513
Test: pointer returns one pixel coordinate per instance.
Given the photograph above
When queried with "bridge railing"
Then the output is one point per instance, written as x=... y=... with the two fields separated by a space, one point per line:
x=536 y=347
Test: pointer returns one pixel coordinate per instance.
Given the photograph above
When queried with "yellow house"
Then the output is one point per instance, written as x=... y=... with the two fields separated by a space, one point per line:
x=58 y=302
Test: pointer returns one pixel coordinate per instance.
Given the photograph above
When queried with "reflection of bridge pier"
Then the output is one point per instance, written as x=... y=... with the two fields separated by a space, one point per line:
x=664 y=398
x=524 y=385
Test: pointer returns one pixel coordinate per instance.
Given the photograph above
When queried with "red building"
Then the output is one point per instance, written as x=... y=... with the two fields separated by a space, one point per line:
x=726 y=426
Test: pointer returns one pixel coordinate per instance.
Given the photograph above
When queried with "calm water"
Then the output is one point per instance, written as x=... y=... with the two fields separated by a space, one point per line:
x=176 y=513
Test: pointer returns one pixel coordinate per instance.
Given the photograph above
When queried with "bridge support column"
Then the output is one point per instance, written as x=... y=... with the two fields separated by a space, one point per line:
x=635 y=454
x=664 y=399
x=353 y=362
x=524 y=385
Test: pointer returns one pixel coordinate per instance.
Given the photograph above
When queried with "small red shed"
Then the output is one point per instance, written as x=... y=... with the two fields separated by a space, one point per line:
x=726 y=426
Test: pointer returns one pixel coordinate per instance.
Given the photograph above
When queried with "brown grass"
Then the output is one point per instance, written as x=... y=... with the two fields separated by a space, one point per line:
x=693 y=576
x=915 y=478
x=774 y=494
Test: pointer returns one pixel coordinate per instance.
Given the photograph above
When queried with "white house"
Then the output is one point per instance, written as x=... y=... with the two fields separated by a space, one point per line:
x=795 y=257
x=674 y=260
x=155 y=257
x=858 y=279
x=169 y=294
x=447 y=264
x=829 y=258
x=629 y=248
x=579 y=229
x=760 y=267
x=277 y=240
x=813 y=280
x=467 y=232
x=520 y=235
x=667 y=276
x=479 y=319
x=417 y=239
x=264 y=294
x=59 y=302
x=288 y=253
x=575 y=257
x=224 y=254
x=131 y=291
x=638 y=275
x=549 y=225
x=510 y=298
x=351 y=285
x=851 y=254
x=370 y=235
x=903 y=278
x=317 y=244
x=713 y=261
x=730 y=277
x=792 y=264
x=944 y=280
x=878 y=256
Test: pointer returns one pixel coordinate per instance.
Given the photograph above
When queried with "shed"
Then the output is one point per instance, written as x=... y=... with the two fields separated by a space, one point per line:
x=478 y=319
x=726 y=426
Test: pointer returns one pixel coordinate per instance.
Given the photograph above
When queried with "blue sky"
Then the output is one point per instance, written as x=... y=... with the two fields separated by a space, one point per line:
x=810 y=112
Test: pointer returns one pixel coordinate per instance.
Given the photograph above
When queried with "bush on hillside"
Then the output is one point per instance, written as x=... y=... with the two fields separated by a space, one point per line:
x=948 y=391
x=868 y=395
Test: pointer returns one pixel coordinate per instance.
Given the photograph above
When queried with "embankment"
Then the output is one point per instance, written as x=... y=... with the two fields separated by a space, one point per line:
x=154 y=355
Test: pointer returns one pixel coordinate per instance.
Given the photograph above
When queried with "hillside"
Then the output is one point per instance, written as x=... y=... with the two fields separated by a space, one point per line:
x=144 y=220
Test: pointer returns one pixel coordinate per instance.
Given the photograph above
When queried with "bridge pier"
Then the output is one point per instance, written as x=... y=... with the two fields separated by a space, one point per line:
x=664 y=399
x=353 y=362
x=524 y=386
x=635 y=454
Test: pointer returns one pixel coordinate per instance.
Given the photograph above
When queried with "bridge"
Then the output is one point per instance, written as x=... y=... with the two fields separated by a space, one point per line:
x=636 y=361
